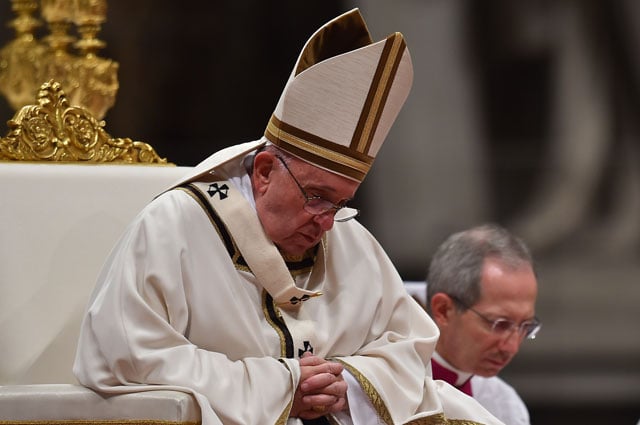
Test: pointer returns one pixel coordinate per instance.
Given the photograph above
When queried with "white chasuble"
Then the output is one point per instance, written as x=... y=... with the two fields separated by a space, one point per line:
x=177 y=306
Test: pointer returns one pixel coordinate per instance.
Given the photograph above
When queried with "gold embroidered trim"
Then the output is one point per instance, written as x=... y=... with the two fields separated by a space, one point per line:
x=296 y=264
x=313 y=147
x=284 y=416
x=439 y=419
x=371 y=392
x=383 y=412
x=265 y=311
x=235 y=256
x=98 y=422
x=320 y=146
x=318 y=150
x=53 y=131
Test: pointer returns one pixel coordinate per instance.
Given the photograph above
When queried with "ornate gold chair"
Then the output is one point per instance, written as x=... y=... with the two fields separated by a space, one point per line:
x=67 y=191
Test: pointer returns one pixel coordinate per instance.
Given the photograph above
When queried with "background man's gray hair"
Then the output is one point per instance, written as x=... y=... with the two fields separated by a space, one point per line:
x=456 y=267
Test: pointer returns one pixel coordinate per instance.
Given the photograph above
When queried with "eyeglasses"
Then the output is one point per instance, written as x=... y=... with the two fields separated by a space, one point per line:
x=317 y=205
x=503 y=327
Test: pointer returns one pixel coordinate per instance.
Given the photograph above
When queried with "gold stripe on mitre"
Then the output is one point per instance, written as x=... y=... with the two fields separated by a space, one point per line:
x=378 y=92
x=323 y=153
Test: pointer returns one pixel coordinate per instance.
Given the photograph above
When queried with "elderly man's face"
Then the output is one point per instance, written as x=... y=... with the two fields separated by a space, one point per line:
x=280 y=203
x=467 y=341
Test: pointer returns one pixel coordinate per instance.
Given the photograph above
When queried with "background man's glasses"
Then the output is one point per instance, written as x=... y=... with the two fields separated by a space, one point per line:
x=527 y=329
x=317 y=205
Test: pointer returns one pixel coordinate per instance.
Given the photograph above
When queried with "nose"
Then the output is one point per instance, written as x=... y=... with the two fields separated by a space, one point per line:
x=511 y=343
x=325 y=220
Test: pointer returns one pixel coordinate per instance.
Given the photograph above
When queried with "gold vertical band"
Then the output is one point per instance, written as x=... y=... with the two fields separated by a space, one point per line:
x=378 y=92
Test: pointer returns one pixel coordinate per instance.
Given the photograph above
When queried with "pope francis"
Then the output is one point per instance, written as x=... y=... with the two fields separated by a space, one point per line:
x=249 y=283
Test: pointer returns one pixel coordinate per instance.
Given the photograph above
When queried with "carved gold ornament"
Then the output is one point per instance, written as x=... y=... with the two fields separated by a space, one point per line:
x=52 y=130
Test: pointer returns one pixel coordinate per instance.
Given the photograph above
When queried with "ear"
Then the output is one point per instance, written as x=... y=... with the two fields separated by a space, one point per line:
x=263 y=164
x=442 y=308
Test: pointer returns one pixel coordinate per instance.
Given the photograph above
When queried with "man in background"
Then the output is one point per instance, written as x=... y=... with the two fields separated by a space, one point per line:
x=481 y=293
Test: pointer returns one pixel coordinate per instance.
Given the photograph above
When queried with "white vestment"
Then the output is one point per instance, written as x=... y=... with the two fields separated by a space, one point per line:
x=501 y=399
x=177 y=307
x=494 y=394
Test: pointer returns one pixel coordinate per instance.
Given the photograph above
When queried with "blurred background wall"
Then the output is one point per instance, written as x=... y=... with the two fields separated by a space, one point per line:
x=524 y=113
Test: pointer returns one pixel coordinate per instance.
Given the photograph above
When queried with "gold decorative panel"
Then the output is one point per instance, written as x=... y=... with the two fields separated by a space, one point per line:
x=52 y=130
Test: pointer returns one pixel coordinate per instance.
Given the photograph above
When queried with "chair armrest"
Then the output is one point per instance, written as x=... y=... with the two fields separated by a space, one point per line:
x=74 y=404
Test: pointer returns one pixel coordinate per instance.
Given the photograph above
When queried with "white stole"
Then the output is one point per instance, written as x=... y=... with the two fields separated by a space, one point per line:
x=260 y=253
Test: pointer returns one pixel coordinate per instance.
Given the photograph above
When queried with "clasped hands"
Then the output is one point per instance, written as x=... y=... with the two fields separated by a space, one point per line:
x=321 y=389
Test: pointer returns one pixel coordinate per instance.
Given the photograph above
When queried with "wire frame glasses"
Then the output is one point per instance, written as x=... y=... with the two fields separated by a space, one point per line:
x=503 y=327
x=317 y=205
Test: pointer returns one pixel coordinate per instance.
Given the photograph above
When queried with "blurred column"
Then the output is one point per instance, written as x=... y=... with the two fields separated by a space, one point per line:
x=429 y=178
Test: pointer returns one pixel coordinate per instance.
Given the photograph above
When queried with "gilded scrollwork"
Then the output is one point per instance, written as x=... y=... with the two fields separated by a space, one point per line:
x=52 y=130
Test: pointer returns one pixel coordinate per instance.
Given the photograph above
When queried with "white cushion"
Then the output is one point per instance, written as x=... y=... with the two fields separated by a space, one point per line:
x=71 y=404
x=58 y=223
